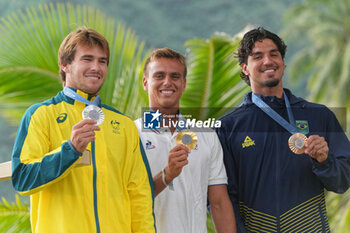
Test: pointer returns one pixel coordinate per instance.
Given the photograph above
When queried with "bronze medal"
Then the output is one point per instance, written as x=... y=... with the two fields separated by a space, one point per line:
x=187 y=138
x=296 y=143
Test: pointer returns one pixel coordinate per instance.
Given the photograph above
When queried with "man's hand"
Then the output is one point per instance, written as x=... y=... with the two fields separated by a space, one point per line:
x=176 y=161
x=317 y=147
x=83 y=133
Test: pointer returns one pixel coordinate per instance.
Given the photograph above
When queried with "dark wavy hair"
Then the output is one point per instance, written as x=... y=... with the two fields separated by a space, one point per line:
x=247 y=44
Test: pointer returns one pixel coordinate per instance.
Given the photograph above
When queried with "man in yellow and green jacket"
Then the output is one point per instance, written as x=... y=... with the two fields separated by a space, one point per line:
x=112 y=194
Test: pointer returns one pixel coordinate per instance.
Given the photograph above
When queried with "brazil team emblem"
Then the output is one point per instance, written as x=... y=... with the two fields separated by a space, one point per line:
x=303 y=126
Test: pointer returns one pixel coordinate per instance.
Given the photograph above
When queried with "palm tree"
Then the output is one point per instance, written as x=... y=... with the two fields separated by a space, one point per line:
x=213 y=79
x=324 y=62
x=29 y=42
x=14 y=217
x=325 y=59
x=214 y=85
x=213 y=82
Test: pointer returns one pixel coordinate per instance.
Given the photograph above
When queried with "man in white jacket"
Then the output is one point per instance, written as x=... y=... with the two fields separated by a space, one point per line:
x=193 y=176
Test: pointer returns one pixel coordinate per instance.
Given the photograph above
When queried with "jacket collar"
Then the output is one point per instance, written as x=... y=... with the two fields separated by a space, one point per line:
x=86 y=96
x=268 y=99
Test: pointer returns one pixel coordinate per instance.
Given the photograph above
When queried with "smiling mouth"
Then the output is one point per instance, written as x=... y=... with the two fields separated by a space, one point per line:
x=93 y=77
x=167 y=93
x=269 y=71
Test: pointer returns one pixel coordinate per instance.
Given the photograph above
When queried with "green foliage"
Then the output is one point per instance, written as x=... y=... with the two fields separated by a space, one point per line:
x=213 y=82
x=210 y=224
x=170 y=23
x=14 y=217
x=29 y=70
x=29 y=42
x=167 y=23
x=338 y=208
x=325 y=59
x=324 y=62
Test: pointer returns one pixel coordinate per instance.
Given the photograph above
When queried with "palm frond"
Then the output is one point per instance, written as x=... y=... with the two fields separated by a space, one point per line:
x=325 y=25
x=14 y=217
x=29 y=42
x=338 y=208
x=213 y=81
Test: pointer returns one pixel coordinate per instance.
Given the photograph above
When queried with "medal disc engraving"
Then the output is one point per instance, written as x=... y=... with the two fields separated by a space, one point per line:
x=187 y=138
x=95 y=113
x=296 y=143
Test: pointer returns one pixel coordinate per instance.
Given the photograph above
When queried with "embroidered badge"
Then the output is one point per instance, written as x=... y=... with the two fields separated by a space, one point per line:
x=149 y=145
x=248 y=142
x=61 y=118
x=303 y=126
x=115 y=126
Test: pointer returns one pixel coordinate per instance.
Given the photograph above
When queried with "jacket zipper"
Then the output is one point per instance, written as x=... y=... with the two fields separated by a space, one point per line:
x=94 y=186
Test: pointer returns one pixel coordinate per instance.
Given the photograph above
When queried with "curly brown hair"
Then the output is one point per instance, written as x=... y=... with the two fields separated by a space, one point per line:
x=247 y=44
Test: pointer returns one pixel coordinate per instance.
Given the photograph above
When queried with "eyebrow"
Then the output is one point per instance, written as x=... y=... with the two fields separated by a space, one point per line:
x=162 y=72
x=91 y=56
x=259 y=52
x=158 y=72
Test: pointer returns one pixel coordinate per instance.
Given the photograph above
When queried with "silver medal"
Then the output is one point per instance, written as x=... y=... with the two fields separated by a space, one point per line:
x=95 y=113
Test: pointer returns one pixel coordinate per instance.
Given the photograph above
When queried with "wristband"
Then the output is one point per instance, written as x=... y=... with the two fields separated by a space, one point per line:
x=170 y=185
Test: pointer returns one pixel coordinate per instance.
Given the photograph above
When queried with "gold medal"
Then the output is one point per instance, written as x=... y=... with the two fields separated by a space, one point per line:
x=296 y=143
x=95 y=113
x=187 y=138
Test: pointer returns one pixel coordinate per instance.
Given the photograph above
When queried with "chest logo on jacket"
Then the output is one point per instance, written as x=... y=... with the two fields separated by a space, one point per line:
x=149 y=145
x=61 y=118
x=303 y=126
x=248 y=142
x=116 y=126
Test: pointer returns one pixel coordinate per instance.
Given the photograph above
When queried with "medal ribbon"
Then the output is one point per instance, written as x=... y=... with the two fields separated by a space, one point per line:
x=289 y=126
x=72 y=94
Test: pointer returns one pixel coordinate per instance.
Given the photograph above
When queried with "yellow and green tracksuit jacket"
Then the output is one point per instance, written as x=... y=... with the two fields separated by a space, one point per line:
x=113 y=194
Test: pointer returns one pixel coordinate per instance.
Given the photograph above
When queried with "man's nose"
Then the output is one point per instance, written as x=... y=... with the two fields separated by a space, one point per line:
x=167 y=80
x=267 y=60
x=95 y=65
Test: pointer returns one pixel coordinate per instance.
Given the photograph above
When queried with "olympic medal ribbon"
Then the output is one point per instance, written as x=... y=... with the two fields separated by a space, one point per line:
x=297 y=141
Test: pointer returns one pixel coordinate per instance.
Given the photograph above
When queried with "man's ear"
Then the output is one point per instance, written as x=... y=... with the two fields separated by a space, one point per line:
x=64 y=67
x=244 y=69
x=145 y=83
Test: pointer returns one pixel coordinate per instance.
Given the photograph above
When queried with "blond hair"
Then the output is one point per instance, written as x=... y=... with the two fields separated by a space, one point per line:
x=81 y=36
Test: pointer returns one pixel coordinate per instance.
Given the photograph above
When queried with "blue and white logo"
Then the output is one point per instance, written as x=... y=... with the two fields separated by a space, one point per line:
x=149 y=145
x=151 y=119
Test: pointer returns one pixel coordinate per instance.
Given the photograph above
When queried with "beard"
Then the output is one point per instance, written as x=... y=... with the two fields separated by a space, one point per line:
x=272 y=83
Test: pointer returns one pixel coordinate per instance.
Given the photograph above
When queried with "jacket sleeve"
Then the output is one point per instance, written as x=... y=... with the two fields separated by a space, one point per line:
x=232 y=175
x=140 y=189
x=34 y=165
x=334 y=172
